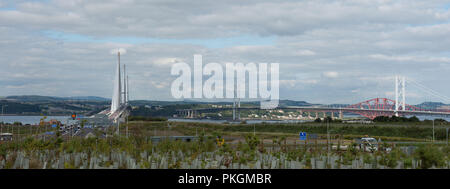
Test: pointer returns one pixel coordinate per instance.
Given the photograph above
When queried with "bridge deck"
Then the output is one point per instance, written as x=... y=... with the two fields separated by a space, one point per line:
x=327 y=109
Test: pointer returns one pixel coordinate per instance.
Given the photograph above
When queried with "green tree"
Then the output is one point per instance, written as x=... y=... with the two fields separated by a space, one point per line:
x=430 y=155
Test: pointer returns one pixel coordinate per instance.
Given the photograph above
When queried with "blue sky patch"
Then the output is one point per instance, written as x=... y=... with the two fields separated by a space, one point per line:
x=210 y=43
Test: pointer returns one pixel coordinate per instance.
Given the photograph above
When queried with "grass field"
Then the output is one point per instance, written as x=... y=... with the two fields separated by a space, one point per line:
x=264 y=146
x=385 y=131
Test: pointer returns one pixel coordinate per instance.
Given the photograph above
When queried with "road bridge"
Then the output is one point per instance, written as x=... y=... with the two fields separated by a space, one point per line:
x=370 y=109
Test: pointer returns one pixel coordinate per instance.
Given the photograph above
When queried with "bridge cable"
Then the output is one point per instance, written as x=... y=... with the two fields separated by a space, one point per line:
x=430 y=91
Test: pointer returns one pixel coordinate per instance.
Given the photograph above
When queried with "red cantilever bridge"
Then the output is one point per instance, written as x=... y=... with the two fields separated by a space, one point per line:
x=386 y=107
x=371 y=109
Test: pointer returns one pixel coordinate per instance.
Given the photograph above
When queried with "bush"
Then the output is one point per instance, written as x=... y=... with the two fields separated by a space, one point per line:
x=390 y=159
x=429 y=156
x=252 y=141
x=381 y=119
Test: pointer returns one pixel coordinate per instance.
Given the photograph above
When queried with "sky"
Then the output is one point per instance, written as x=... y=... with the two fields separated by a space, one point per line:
x=343 y=51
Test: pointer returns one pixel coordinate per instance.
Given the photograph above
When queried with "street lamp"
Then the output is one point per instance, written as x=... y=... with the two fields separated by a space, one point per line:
x=328 y=135
x=433 y=130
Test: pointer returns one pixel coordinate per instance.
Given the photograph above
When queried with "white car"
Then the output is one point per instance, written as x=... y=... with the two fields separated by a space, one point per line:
x=370 y=144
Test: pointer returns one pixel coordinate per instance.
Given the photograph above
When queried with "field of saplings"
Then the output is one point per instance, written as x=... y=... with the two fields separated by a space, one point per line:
x=207 y=152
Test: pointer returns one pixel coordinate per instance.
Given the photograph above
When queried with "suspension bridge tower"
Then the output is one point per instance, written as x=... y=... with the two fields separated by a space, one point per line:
x=400 y=92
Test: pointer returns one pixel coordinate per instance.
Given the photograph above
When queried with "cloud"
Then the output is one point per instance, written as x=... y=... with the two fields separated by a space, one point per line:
x=160 y=85
x=410 y=58
x=205 y=19
x=331 y=74
x=166 y=61
x=305 y=53
x=121 y=50
x=360 y=44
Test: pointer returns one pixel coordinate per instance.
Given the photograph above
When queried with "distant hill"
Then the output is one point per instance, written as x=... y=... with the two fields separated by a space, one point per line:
x=37 y=98
x=294 y=103
x=161 y=103
x=31 y=98
x=433 y=105
x=9 y=107
x=282 y=103
x=87 y=98
x=48 y=105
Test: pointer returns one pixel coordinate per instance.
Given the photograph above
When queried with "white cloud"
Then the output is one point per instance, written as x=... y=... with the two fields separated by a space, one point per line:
x=166 y=61
x=122 y=51
x=305 y=53
x=360 y=44
x=331 y=74
x=411 y=58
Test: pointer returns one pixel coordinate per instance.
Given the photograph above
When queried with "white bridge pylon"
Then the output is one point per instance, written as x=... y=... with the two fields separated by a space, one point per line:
x=400 y=92
x=120 y=96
